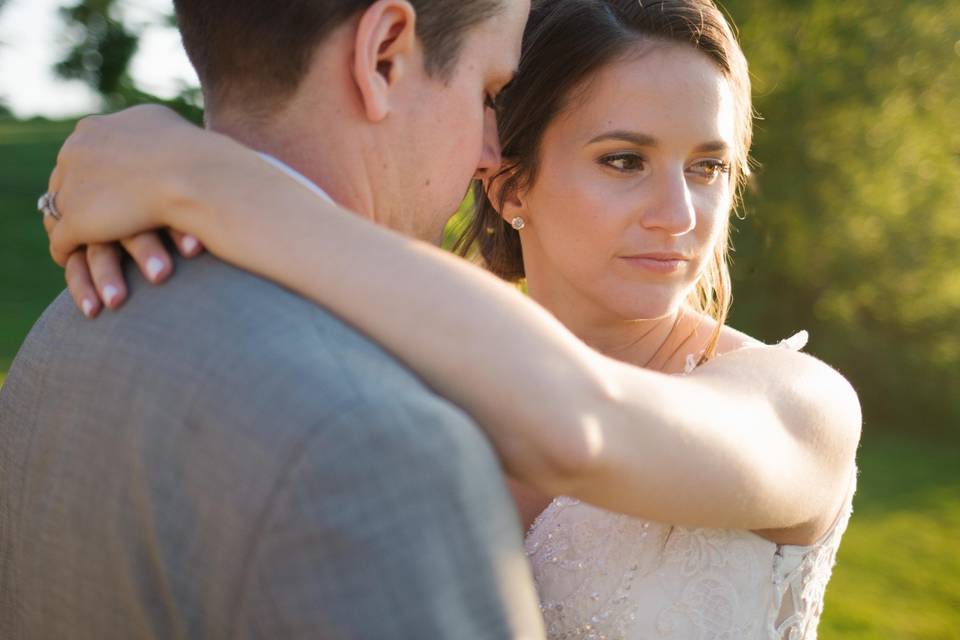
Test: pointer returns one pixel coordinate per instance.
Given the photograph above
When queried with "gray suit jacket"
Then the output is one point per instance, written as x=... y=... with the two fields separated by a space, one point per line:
x=223 y=459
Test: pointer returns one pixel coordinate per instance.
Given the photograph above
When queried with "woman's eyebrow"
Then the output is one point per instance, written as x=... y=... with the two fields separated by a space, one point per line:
x=633 y=137
x=645 y=140
x=714 y=146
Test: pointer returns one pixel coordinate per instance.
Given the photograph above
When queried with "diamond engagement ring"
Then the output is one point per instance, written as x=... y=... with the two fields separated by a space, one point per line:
x=48 y=206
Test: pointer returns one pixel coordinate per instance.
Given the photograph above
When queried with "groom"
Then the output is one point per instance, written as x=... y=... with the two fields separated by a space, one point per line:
x=224 y=459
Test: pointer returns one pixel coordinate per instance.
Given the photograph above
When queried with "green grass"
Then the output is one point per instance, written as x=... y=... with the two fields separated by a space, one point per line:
x=898 y=576
x=898 y=571
x=28 y=278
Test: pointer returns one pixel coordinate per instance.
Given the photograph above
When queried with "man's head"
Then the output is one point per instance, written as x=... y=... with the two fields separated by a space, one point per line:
x=382 y=102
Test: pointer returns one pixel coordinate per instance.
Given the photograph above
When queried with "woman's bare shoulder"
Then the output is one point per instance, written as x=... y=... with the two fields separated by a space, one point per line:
x=733 y=340
x=729 y=339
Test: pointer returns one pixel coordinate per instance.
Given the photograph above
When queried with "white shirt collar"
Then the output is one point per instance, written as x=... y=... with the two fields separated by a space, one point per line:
x=296 y=175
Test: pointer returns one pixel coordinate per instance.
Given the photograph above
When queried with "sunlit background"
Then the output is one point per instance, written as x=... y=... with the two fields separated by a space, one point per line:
x=34 y=37
x=851 y=230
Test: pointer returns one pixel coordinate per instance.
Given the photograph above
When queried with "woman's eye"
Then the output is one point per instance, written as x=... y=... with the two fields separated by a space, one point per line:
x=624 y=162
x=710 y=170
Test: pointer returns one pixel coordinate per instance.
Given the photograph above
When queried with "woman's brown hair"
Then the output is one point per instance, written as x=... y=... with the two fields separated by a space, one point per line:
x=565 y=42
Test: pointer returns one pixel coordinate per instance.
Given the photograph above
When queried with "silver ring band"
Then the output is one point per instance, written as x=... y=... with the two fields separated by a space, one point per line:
x=47 y=205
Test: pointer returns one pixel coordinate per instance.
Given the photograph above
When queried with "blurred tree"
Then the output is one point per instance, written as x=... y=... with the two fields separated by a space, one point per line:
x=103 y=51
x=102 y=54
x=853 y=228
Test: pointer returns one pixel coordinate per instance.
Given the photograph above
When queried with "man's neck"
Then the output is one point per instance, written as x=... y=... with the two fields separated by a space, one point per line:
x=320 y=161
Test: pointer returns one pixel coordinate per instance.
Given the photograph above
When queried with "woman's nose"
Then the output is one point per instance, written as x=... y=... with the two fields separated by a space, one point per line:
x=672 y=209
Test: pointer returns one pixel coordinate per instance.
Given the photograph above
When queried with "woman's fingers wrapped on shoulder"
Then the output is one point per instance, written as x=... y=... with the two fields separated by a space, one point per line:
x=95 y=277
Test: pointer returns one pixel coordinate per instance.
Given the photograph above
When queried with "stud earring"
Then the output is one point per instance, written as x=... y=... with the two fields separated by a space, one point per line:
x=518 y=223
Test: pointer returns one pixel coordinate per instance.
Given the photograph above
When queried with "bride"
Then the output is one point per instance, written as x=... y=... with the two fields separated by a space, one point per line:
x=699 y=481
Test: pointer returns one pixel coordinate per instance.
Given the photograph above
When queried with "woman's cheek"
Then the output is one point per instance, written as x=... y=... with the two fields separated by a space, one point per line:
x=711 y=214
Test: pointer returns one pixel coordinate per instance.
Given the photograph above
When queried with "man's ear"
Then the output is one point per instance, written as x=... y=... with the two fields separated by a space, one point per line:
x=514 y=204
x=384 y=47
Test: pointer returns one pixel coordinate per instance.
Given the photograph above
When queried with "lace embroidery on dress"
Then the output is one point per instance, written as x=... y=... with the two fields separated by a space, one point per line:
x=603 y=575
x=581 y=559
x=800 y=577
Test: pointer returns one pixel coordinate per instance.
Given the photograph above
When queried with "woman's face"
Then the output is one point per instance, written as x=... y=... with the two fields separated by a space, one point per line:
x=634 y=189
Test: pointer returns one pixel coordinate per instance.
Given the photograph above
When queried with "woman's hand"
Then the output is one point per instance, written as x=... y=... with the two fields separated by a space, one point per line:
x=117 y=175
x=117 y=178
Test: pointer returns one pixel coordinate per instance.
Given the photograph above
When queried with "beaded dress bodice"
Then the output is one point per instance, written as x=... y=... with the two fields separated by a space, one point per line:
x=602 y=575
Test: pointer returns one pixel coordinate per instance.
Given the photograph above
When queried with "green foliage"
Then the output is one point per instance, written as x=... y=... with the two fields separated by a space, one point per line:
x=852 y=230
x=102 y=56
x=459 y=223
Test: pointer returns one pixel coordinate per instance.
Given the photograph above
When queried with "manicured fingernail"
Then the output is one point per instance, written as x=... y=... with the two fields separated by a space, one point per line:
x=110 y=294
x=155 y=267
x=190 y=244
x=88 y=307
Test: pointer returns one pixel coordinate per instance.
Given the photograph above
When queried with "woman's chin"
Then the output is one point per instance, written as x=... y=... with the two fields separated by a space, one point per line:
x=649 y=309
x=644 y=303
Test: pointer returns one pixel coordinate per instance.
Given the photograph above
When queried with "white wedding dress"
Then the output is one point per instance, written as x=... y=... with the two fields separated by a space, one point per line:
x=602 y=575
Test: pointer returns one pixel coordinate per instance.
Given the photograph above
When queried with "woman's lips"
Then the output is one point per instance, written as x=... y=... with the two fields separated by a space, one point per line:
x=661 y=263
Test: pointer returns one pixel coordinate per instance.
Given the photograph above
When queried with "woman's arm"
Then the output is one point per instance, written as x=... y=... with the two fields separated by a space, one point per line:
x=757 y=439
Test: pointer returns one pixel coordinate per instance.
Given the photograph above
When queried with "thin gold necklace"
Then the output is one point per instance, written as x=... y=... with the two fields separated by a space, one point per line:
x=676 y=323
x=685 y=341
